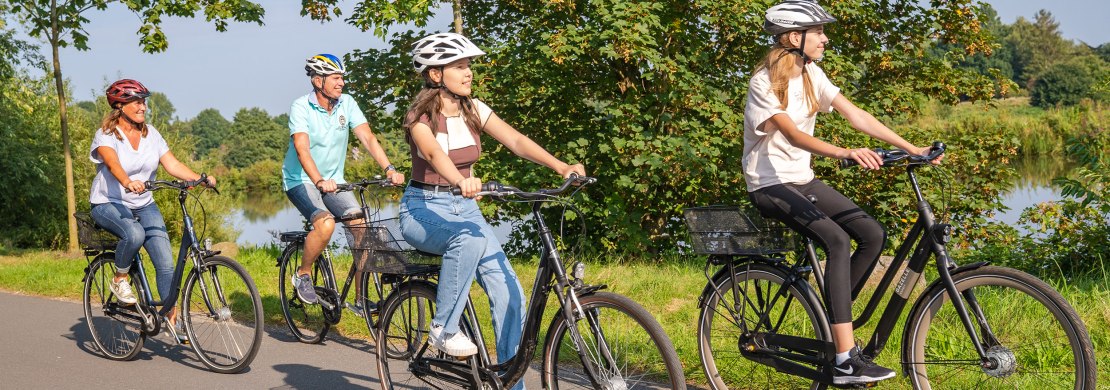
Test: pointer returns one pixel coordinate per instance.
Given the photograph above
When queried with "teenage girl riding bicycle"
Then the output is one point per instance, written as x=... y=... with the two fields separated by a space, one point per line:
x=786 y=91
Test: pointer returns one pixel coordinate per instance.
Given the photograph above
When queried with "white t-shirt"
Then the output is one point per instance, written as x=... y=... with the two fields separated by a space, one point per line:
x=140 y=164
x=769 y=158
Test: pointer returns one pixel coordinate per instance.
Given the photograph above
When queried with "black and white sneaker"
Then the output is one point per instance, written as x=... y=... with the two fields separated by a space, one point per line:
x=859 y=369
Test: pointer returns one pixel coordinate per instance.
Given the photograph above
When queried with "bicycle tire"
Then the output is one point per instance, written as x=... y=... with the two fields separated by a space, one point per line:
x=223 y=315
x=406 y=320
x=719 y=326
x=116 y=329
x=1041 y=342
x=648 y=360
x=305 y=321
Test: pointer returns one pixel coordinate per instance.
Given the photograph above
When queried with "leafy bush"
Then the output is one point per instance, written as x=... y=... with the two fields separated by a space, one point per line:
x=1069 y=83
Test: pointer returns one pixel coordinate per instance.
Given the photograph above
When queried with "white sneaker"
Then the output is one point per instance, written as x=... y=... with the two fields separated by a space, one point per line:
x=122 y=290
x=455 y=344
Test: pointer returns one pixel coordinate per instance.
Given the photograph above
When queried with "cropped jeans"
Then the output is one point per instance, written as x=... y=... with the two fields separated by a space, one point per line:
x=452 y=225
x=148 y=231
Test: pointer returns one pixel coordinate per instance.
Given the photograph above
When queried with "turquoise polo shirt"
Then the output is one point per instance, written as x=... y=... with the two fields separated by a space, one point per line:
x=328 y=134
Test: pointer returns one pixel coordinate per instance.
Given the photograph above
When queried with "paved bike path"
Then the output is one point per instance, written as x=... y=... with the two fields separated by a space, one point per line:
x=45 y=344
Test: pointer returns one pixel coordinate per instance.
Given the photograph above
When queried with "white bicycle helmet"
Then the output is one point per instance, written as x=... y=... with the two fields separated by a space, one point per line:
x=791 y=15
x=441 y=49
x=323 y=64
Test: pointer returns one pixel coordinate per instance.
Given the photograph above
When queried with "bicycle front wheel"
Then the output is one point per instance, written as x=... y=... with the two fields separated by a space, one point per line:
x=306 y=320
x=116 y=328
x=1032 y=337
x=623 y=347
x=223 y=315
x=733 y=306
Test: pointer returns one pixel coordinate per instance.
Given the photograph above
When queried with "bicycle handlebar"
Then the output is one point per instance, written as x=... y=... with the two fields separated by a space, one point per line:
x=497 y=189
x=378 y=181
x=895 y=155
x=180 y=185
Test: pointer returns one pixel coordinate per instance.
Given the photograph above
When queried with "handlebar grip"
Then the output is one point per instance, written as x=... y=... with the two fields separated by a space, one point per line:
x=489 y=186
x=848 y=163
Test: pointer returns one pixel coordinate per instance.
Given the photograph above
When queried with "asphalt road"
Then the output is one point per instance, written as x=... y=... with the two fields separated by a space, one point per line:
x=45 y=344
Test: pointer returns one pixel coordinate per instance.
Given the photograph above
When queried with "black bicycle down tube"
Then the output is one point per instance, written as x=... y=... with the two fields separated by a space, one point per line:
x=911 y=238
x=897 y=302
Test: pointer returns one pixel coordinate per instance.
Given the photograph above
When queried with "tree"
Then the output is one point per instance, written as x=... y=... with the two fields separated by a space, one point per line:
x=646 y=93
x=253 y=137
x=1037 y=46
x=209 y=130
x=63 y=24
x=1070 y=82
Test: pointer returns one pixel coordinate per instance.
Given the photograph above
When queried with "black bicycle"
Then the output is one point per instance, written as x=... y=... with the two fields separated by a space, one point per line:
x=975 y=326
x=222 y=311
x=310 y=322
x=597 y=339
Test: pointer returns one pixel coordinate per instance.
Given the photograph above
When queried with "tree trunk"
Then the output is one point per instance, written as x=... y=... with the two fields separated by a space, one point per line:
x=458 y=17
x=71 y=202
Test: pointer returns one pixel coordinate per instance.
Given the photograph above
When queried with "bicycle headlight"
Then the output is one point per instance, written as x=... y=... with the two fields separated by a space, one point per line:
x=942 y=232
x=578 y=270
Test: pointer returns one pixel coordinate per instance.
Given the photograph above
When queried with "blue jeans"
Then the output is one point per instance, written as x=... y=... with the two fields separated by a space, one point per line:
x=451 y=225
x=313 y=204
x=148 y=231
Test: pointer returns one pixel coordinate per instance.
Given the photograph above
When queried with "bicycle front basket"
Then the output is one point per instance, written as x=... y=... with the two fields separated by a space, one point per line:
x=378 y=247
x=92 y=237
x=725 y=230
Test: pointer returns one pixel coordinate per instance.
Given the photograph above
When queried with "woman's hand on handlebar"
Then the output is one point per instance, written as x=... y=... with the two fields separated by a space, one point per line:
x=570 y=169
x=136 y=186
x=470 y=186
x=210 y=181
x=397 y=178
x=925 y=151
x=866 y=158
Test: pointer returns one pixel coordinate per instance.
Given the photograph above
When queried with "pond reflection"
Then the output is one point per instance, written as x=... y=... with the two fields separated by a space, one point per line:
x=1033 y=185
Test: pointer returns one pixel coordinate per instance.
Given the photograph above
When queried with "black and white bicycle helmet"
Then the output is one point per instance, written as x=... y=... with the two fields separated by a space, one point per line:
x=441 y=49
x=791 y=15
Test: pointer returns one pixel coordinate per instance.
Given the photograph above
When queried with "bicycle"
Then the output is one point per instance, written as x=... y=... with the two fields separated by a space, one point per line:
x=222 y=308
x=310 y=322
x=597 y=339
x=975 y=325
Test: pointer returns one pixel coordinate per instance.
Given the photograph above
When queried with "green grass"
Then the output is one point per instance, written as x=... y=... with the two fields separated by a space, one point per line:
x=668 y=289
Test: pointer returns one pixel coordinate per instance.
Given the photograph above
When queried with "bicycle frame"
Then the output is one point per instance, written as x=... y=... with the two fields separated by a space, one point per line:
x=550 y=275
x=927 y=237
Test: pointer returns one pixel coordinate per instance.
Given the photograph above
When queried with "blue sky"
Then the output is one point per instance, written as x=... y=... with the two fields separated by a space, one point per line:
x=252 y=66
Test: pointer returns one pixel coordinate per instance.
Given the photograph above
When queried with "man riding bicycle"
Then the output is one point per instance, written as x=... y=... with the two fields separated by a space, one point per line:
x=319 y=126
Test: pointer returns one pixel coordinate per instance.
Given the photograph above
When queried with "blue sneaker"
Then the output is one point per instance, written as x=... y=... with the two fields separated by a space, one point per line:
x=305 y=290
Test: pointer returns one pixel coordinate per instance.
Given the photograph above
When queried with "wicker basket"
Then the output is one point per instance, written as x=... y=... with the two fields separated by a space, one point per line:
x=725 y=230
x=379 y=247
x=92 y=237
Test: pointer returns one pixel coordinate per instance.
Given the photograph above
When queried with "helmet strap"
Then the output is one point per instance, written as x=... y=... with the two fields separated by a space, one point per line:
x=801 y=51
x=429 y=83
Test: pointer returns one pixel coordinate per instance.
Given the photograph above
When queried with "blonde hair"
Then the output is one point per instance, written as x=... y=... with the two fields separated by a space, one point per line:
x=779 y=63
x=109 y=124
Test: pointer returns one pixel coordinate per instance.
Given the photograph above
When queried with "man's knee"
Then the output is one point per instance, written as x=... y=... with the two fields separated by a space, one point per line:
x=323 y=222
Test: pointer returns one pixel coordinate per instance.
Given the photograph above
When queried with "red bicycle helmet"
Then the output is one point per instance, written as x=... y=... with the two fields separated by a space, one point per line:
x=125 y=91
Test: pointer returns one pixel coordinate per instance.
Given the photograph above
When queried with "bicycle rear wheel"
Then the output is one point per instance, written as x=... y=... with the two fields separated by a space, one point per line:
x=624 y=346
x=405 y=361
x=116 y=328
x=305 y=320
x=223 y=315
x=724 y=319
x=1032 y=336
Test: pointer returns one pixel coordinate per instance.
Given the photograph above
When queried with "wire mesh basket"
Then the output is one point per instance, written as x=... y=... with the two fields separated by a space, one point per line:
x=379 y=247
x=92 y=237
x=726 y=230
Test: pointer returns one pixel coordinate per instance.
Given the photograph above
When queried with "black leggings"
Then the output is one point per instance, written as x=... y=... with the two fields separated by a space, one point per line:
x=832 y=223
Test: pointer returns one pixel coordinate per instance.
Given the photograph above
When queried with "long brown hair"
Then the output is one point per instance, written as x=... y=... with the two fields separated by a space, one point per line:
x=427 y=104
x=110 y=121
x=779 y=63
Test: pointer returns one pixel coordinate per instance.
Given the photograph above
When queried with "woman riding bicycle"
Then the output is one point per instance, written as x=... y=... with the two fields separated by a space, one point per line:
x=127 y=152
x=786 y=91
x=442 y=126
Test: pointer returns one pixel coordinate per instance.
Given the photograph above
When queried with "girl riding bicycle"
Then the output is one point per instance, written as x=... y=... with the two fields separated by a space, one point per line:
x=786 y=91
x=442 y=126
x=127 y=152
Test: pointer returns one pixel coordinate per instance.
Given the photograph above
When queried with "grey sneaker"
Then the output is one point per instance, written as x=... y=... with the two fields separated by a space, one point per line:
x=305 y=290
